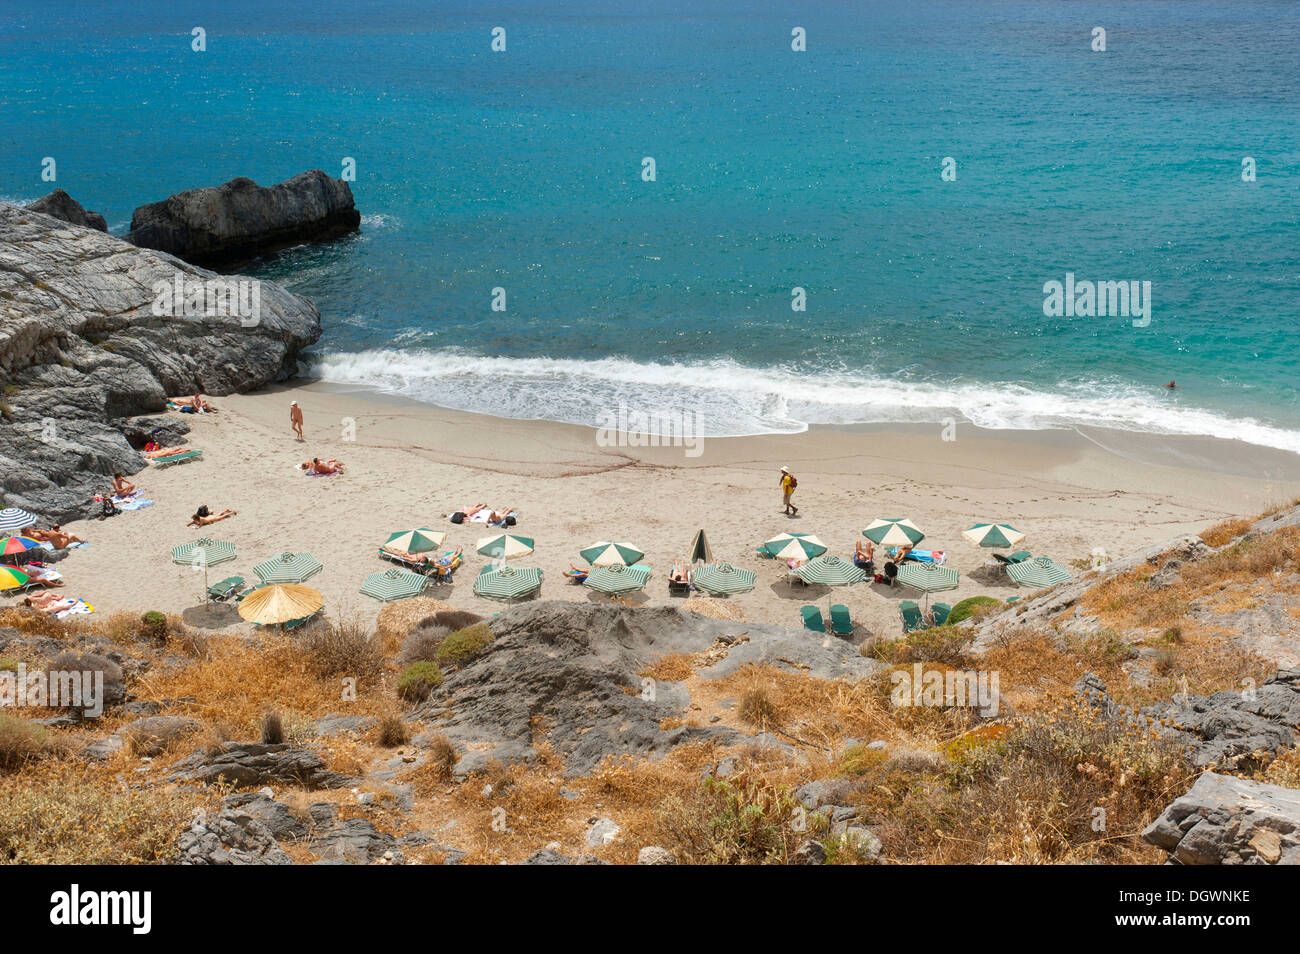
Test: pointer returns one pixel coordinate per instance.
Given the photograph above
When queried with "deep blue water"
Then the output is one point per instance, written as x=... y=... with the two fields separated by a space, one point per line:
x=776 y=169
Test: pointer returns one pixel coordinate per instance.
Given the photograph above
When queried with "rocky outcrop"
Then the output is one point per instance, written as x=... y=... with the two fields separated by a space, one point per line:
x=239 y=220
x=576 y=669
x=231 y=837
x=84 y=350
x=1230 y=821
x=245 y=764
x=67 y=209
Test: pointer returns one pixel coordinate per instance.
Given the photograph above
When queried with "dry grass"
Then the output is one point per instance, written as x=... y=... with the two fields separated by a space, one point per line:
x=396 y=619
x=674 y=667
x=1225 y=532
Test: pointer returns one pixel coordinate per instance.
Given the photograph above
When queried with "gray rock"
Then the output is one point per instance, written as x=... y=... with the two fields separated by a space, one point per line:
x=356 y=841
x=65 y=208
x=247 y=764
x=81 y=350
x=337 y=724
x=549 y=856
x=654 y=855
x=602 y=832
x=1226 y=820
x=810 y=853
x=232 y=837
x=861 y=841
x=282 y=823
x=814 y=795
x=323 y=814
x=240 y=219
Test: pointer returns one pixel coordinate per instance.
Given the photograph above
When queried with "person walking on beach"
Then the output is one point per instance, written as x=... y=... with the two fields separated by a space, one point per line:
x=788 y=484
x=295 y=418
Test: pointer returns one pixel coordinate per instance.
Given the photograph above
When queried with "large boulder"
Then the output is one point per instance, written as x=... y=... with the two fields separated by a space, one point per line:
x=231 y=837
x=239 y=220
x=1225 y=820
x=82 y=353
x=67 y=209
x=249 y=764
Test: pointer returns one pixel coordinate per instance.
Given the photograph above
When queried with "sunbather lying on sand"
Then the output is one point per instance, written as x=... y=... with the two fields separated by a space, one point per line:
x=195 y=402
x=318 y=466
x=203 y=516
x=54 y=535
x=470 y=511
x=499 y=516
x=154 y=451
x=49 y=602
x=864 y=554
x=578 y=570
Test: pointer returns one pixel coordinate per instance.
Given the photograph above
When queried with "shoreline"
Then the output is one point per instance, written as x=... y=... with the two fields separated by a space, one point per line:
x=410 y=464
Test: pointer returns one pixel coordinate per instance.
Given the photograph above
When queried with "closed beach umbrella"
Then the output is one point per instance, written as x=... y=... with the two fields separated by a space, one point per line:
x=795 y=546
x=15 y=518
x=508 y=582
x=11 y=578
x=504 y=546
x=280 y=603
x=605 y=553
x=416 y=541
x=830 y=571
x=700 y=551
x=928 y=578
x=617 y=578
x=723 y=579
x=1039 y=572
x=993 y=535
x=893 y=532
x=288 y=568
x=394 y=584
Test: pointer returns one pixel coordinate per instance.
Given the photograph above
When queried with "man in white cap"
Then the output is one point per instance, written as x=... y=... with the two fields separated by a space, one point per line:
x=295 y=418
x=788 y=484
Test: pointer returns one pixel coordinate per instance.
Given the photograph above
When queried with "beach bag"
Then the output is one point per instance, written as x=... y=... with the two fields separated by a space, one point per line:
x=458 y=517
x=793 y=483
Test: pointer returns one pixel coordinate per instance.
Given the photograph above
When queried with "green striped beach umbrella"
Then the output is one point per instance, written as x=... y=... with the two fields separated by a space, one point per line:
x=504 y=546
x=994 y=535
x=605 y=553
x=794 y=546
x=203 y=552
x=723 y=579
x=893 y=532
x=394 y=584
x=416 y=541
x=288 y=568
x=1039 y=572
x=507 y=582
x=927 y=577
x=617 y=578
x=830 y=570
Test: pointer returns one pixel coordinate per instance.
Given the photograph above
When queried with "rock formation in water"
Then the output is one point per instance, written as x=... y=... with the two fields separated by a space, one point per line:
x=67 y=209
x=95 y=332
x=239 y=220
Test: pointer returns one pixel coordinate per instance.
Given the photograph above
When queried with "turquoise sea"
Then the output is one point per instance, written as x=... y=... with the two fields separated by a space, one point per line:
x=776 y=169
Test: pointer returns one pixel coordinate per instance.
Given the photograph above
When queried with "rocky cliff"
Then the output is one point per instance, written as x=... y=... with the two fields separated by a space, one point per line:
x=241 y=219
x=94 y=332
x=67 y=209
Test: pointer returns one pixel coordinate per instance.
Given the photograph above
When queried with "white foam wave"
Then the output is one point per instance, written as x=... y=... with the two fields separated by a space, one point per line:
x=729 y=399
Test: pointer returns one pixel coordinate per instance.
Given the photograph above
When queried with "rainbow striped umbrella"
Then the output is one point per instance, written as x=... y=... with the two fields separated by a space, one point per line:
x=12 y=545
x=11 y=578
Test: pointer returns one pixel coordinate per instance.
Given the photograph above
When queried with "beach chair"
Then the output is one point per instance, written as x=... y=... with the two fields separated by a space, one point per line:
x=446 y=565
x=230 y=586
x=177 y=458
x=911 y=614
x=418 y=566
x=679 y=587
x=939 y=613
x=812 y=619
x=577 y=577
x=841 y=622
x=1020 y=556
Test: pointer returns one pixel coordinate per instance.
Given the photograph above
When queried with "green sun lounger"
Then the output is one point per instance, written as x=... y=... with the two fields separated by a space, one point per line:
x=939 y=612
x=1020 y=556
x=230 y=586
x=177 y=458
x=841 y=622
x=912 y=619
x=812 y=619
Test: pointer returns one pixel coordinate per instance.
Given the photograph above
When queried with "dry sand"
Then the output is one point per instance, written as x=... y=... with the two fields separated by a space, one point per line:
x=410 y=465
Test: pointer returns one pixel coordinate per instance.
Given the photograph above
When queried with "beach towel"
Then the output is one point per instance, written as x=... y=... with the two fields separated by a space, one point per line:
x=82 y=608
x=135 y=503
x=481 y=516
x=75 y=546
x=929 y=556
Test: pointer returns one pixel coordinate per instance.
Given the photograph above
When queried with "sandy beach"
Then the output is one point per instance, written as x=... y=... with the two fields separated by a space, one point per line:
x=410 y=465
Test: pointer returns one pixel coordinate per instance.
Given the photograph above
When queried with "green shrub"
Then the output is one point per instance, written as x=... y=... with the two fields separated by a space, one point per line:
x=939 y=644
x=418 y=680
x=155 y=624
x=464 y=644
x=966 y=608
x=8 y=664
